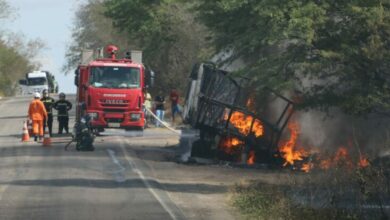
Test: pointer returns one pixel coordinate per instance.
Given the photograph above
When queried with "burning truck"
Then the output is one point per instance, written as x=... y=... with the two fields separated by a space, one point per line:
x=236 y=122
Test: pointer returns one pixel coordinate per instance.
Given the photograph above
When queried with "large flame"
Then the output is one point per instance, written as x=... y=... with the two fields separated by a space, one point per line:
x=244 y=122
x=289 y=151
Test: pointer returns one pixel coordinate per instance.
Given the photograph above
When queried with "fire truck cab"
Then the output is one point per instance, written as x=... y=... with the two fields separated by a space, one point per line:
x=111 y=91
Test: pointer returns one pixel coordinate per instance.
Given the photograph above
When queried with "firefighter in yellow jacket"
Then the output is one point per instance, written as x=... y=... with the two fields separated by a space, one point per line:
x=37 y=113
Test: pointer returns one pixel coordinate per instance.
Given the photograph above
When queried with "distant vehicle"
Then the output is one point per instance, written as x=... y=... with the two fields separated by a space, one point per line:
x=37 y=81
x=53 y=85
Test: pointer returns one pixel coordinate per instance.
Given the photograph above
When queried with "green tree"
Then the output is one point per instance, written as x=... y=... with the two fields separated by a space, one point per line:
x=16 y=55
x=334 y=53
x=14 y=64
x=167 y=33
x=92 y=30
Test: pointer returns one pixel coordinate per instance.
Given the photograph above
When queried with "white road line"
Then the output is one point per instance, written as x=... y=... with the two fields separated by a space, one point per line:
x=2 y=190
x=118 y=174
x=146 y=182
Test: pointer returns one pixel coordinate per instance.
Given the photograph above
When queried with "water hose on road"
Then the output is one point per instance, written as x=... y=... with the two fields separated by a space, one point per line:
x=151 y=113
x=163 y=122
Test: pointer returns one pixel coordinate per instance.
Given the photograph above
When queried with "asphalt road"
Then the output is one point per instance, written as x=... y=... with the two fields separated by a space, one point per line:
x=39 y=182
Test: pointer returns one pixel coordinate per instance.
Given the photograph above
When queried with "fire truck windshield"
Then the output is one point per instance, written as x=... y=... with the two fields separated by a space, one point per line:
x=115 y=77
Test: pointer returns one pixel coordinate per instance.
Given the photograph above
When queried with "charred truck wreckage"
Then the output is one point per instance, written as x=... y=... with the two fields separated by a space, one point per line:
x=235 y=121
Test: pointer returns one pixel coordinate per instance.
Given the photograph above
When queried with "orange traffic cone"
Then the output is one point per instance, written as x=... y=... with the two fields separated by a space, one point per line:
x=29 y=126
x=46 y=139
x=25 y=135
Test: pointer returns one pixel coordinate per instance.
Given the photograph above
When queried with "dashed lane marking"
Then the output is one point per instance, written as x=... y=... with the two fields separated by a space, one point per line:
x=147 y=183
x=118 y=174
x=3 y=188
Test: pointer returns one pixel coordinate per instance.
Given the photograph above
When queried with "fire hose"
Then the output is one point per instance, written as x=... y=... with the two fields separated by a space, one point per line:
x=163 y=122
x=75 y=137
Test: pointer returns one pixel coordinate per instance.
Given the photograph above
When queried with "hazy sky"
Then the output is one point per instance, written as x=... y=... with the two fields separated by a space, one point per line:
x=51 y=21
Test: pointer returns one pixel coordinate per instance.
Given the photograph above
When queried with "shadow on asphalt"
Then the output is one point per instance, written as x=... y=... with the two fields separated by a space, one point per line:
x=25 y=117
x=20 y=135
x=12 y=135
x=129 y=183
x=14 y=117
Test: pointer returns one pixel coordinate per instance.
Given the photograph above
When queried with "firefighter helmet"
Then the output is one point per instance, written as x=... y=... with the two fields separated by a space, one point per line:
x=62 y=95
x=37 y=95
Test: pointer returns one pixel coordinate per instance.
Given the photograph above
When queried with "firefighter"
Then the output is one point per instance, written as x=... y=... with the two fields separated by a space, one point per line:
x=63 y=106
x=48 y=102
x=37 y=113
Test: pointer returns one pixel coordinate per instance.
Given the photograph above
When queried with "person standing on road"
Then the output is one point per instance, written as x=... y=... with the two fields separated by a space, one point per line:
x=159 y=101
x=48 y=102
x=147 y=106
x=37 y=113
x=63 y=106
x=174 y=98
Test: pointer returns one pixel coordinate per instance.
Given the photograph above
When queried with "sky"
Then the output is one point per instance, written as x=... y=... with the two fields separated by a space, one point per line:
x=50 y=21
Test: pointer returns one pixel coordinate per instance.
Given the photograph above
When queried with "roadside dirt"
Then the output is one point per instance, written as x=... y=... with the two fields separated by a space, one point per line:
x=200 y=191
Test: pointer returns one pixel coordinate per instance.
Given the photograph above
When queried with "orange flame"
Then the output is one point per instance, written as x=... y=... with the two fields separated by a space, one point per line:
x=251 y=158
x=230 y=145
x=340 y=158
x=307 y=167
x=291 y=153
x=243 y=123
x=363 y=162
x=289 y=150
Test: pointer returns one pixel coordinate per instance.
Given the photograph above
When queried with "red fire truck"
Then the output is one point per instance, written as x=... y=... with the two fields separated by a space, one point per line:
x=111 y=91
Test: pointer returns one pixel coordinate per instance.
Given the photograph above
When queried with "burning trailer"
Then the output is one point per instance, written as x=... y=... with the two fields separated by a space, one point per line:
x=236 y=122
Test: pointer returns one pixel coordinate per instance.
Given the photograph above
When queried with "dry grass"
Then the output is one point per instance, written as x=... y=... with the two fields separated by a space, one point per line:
x=338 y=193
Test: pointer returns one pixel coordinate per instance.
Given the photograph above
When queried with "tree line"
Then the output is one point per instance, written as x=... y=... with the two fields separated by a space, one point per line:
x=329 y=53
x=16 y=54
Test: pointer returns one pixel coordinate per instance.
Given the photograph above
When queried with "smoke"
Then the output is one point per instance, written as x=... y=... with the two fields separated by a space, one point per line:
x=329 y=131
x=326 y=131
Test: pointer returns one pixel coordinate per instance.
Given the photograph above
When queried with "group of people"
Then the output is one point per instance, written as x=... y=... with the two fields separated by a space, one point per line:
x=158 y=106
x=40 y=112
